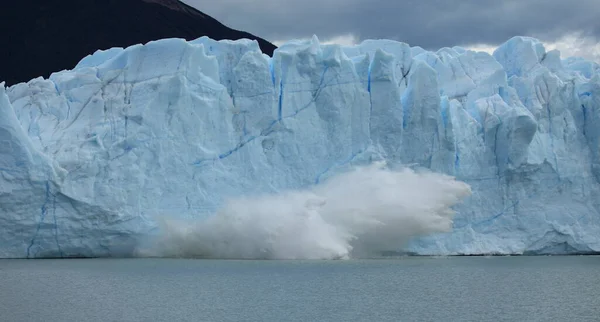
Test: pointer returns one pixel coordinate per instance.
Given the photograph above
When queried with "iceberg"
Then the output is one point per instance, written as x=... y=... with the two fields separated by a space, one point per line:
x=92 y=158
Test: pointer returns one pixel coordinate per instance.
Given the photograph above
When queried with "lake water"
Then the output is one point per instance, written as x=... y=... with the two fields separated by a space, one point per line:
x=403 y=289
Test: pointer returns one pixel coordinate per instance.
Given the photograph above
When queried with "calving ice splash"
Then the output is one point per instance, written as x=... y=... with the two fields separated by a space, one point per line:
x=212 y=149
x=361 y=213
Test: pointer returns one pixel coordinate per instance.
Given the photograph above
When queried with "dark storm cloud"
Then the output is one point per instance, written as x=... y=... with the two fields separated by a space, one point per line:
x=427 y=23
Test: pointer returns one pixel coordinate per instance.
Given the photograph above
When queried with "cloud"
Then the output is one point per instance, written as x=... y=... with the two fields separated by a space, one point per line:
x=572 y=45
x=577 y=45
x=431 y=24
x=344 y=40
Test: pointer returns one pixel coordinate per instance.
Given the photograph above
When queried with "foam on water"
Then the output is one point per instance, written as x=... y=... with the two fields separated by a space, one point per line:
x=360 y=213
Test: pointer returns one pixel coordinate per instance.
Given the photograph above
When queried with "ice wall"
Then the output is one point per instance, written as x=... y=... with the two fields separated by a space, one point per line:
x=90 y=156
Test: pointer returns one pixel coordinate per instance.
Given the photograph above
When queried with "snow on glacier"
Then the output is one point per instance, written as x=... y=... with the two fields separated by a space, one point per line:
x=90 y=158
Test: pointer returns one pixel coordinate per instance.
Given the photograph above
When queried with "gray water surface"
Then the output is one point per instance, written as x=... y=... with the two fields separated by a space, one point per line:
x=404 y=289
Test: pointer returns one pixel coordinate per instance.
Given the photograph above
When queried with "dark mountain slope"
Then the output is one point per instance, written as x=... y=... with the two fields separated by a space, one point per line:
x=39 y=37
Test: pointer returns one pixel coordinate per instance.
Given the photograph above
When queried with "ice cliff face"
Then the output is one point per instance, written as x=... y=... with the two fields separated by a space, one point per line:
x=89 y=156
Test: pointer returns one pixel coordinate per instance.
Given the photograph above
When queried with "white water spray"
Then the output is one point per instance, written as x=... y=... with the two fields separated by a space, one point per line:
x=355 y=214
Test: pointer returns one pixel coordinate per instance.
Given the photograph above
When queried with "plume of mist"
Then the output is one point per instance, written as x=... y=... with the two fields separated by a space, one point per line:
x=356 y=214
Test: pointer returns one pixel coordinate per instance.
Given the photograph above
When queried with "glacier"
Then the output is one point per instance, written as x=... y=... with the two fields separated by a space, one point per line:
x=90 y=157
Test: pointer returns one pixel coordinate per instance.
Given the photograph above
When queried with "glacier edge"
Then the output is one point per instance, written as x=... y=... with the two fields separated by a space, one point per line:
x=89 y=156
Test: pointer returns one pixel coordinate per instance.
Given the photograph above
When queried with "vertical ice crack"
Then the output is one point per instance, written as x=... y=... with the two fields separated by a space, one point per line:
x=280 y=106
x=456 y=159
x=496 y=149
x=56 y=226
x=321 y=82
x=370 y=97
x=550 y=133
x=43 y=212
x=584 y=112
x=188 y=202
x=433 y=150
x=405 y=75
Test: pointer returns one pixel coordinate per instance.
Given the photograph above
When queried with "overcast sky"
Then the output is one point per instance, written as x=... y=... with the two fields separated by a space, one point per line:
x=570 y=25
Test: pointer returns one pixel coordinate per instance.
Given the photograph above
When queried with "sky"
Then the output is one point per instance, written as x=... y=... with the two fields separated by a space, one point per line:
x=572 y=26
